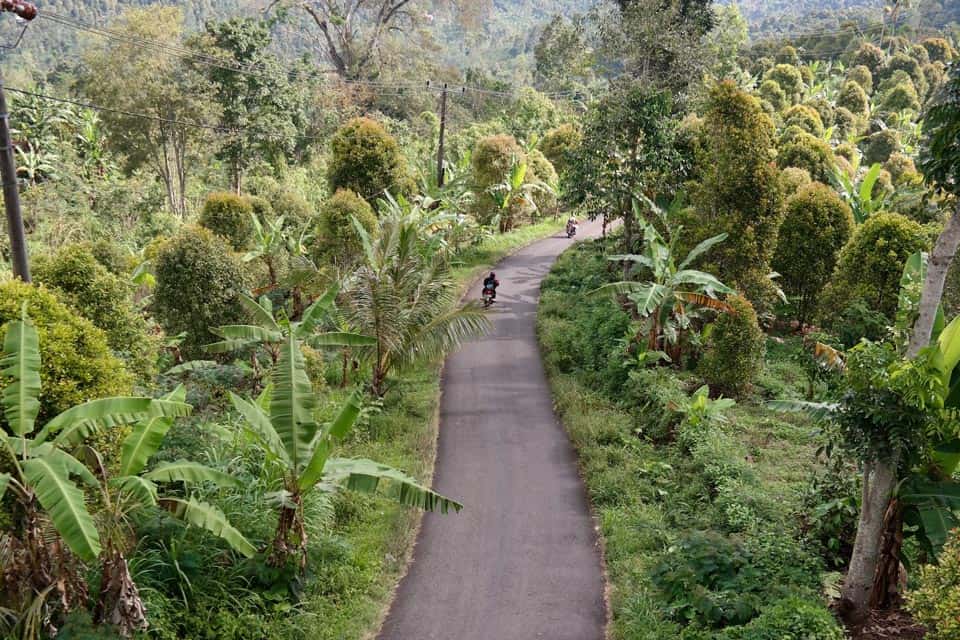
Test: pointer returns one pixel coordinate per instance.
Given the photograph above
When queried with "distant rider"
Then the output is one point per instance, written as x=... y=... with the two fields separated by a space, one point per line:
x=572 y=226
x=491 y=283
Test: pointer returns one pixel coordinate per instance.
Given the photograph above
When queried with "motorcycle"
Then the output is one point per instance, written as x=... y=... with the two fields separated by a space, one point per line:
x=488 y=293
x=571 y=230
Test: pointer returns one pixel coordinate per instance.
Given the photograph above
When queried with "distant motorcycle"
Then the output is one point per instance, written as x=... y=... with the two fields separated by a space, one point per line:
x=488 y=294
x=571 y=230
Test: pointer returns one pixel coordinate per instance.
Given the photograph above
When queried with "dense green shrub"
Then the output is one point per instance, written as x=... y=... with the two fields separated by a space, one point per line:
x=871 y=265
x=787 y=55
x=811 y=153
x=708 y=579
x=789 y=619
x=117 y=259
x=902 y=169
x=900 y=98
x=805 y=117
x=853 y=98
x=817 y=226
x=935 y=602
x=824 y=108
x=792 y=179
x=739 y=192
x=106 y=300
x=870 y=56
x=531 y=114
x=198 y=283
x=862 y=76
x=367 y=160
x=772 y=93
x=829 y=509
x=76 y=363
x=880 y=146
x=540 y=169
x=493 y=157
x=909 y=65
x=261 y=208
x=734 y=351
x=938 y=49
x=846 y=151
x=558 y=144
x=789 y=79
x=337 y=240
x=846 y=122
x=228 y=216
x=935 y=74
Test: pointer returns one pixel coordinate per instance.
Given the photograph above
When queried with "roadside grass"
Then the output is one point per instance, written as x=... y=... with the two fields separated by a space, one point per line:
x=654 y=482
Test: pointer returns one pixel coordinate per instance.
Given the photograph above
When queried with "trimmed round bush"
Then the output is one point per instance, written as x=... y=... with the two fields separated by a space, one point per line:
x=853 y=98
x=824 y=108
x=871 y=264
x=935 y=74
x=199 y=280
x=788 y=77
x=919 y=53
x=938 y=49
x=862 y=76
x=900 y=98
x=734 y=351
x=935 y=602
x=870 y=56
x=846 y=122
x=75 y=360
x=367 y=160
x=337 y=239
x=787 y=55
x=902 y=169
x=558 y=144
x=807 y=118
x=774 y=94
x=104 y=299
x=261 y=208
x=846 y=151
x=810 y=153
x=492 y=160
x=880 y=146
x=909 y=65
x=792 y=179
x=228 y=216
x=817 y=226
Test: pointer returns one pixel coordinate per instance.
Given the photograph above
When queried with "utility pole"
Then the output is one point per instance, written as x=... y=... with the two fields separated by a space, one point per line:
x=443 y=127
x=8 y=168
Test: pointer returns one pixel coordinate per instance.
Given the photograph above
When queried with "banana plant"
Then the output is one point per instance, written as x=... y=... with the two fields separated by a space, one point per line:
x=269 y=241
x=282 y=420
x=136 y=489
x=860 y=196
x=515 y=195
x=42 y=476
x=668 y=300
x=271 y=332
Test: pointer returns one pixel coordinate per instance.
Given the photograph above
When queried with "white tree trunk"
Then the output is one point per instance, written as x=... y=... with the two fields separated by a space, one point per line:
x=939 y=264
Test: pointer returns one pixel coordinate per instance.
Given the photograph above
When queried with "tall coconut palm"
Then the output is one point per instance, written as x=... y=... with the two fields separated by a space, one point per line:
x=283 y=421
x=404 y=298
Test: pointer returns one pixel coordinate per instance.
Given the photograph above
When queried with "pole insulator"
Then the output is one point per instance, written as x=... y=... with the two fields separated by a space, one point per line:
x=24 y=10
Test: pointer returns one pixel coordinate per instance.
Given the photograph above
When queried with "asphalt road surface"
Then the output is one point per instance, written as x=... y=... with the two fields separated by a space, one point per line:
x=521 y=561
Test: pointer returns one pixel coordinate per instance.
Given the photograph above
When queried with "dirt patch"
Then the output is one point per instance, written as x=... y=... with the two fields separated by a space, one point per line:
x=889 y=624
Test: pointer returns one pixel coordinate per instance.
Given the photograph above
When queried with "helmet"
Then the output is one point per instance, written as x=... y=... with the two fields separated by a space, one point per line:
x=493 y=275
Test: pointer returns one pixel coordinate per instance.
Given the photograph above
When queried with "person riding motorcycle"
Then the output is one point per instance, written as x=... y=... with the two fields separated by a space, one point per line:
x=572 y=226
x=490 y=284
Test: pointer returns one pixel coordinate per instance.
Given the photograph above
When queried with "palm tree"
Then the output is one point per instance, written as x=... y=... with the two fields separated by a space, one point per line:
x=404 y=298
x=667 y=301
x=282 y=420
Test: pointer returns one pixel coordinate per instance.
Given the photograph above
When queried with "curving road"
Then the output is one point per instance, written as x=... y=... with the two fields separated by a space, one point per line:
x=521 y=561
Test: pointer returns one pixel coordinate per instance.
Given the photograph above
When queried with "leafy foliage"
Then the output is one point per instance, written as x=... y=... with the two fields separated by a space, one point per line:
x=734 y=350
x=365 y=159
x=337 y=239
x=229 y=216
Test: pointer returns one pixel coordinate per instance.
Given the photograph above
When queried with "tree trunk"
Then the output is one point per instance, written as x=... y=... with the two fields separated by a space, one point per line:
x=879 y=479
x=119 y=603
x=938 y=265
x=887 y=581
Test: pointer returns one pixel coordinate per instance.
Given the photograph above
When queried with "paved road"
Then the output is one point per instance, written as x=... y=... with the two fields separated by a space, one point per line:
x=521 y=561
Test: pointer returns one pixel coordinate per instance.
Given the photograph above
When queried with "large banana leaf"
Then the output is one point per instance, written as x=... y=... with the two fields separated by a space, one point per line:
x=706 y=281
x=636 y=258
x=258 y=423
x=191 y=366
x=146 y=438
x=340 y=339
x=191 y=473
x=4 y=483
x=932 y=505
x=27 y=448
x=315 y=312
x=338 y=429
x=140 y=488
x=21 y=364
x=79 y=422
x=261 y=311
x=208 y=517
x=648 y=296
x=240 y=336
x=949 y=349
x=366 y=476
x=292 y=403
x=701 y=249
x=63 y=502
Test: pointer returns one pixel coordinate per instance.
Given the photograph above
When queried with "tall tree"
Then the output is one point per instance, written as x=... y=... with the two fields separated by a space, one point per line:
x=127 y=77
x=258 y=102
x=353 y=31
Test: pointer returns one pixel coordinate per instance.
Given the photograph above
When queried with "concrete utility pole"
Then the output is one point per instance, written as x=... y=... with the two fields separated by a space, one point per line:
x=8 y=167
x=443 y=128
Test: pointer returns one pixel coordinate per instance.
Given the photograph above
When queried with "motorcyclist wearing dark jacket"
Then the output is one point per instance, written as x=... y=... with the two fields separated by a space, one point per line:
x=491 y=283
